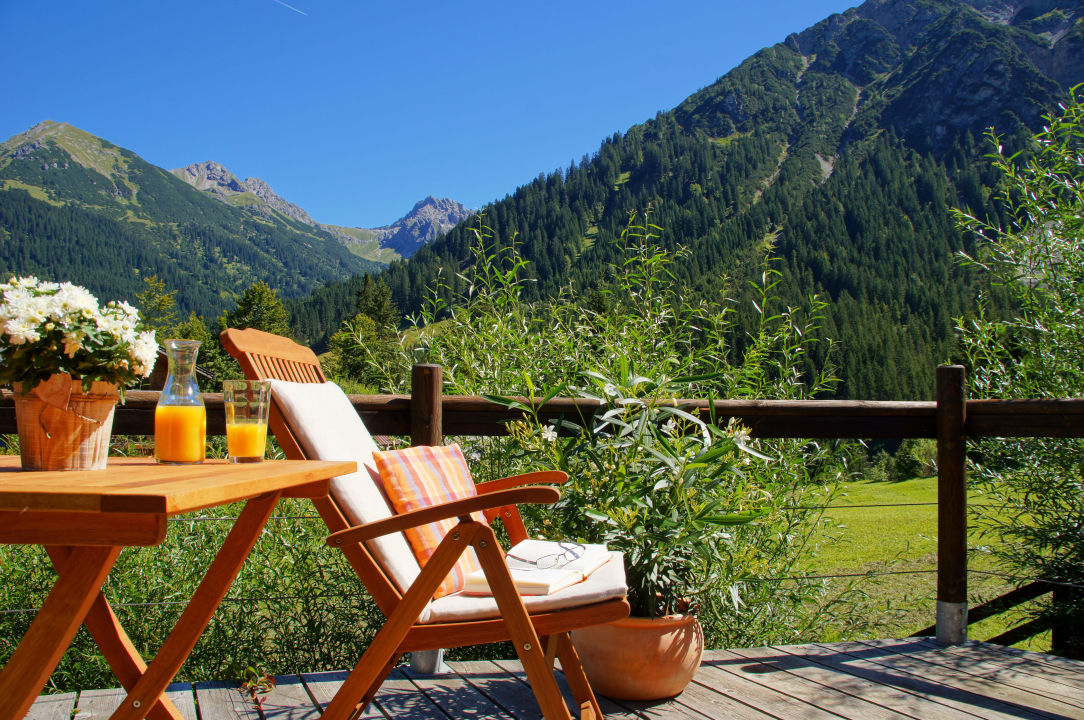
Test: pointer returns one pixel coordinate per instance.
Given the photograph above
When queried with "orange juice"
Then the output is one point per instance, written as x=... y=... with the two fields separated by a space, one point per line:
x=246 y=440
x=180 y=433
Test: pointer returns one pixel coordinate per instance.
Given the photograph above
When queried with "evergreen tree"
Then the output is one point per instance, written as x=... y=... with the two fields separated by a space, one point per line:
x=259 y=307
x=374 y=301
x=157 y=307
x=212 y=357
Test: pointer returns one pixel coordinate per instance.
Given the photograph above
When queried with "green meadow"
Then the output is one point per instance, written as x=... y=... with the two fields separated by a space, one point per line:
x=885 y=533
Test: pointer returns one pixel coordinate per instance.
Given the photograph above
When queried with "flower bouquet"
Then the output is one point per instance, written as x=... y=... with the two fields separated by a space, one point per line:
x=66 y=358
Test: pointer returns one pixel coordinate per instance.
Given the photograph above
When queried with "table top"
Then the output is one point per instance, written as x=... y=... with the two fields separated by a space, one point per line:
x=140 y=485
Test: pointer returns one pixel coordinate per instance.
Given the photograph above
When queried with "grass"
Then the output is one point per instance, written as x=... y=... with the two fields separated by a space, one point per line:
x=867 y=535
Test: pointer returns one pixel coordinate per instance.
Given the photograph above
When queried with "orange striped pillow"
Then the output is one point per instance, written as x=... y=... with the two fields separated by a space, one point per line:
x=421 y=476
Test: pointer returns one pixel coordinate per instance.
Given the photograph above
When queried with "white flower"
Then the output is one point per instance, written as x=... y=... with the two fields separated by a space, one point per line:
x=145 y=352
x=20 y=331
x=73 y=342
x=739 y=432
x=20 y=304
x=610 y=390
x=549 y=434
x=52 y=320
x=669 y=427
x=76 y=300
x=24 y=282
x=110 y=324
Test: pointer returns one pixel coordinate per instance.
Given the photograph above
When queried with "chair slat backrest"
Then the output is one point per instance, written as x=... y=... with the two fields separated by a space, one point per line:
x=264 y=356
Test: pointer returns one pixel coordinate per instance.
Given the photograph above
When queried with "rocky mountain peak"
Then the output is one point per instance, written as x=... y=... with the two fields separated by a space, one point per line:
x=429 y=218
x=214 y=178
x=211 y=177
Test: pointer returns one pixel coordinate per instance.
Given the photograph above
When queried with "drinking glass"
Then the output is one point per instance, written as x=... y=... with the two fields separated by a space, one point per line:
x=247 y=403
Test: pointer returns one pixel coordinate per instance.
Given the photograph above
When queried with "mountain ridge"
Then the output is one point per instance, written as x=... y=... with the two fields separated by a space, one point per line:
x=77 y=207
x=838 y=150
x=429 y=218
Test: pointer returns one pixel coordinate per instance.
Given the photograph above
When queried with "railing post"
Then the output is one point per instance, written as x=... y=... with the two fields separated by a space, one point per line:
x=427 y=428
x=426 y=417
x=951 y=506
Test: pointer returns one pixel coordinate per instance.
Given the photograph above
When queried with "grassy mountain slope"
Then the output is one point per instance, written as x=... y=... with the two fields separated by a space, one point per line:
x=76 y=207
x=842 y=149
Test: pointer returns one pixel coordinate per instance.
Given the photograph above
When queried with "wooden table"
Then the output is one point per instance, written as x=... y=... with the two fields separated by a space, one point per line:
x=85 y=519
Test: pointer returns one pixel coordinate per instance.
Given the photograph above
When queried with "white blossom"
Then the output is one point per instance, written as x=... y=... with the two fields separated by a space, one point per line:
x=21 y=331
x=73 y=342
x=145 y=352
x=75 y=300
x=73 y=325
x=549 y=434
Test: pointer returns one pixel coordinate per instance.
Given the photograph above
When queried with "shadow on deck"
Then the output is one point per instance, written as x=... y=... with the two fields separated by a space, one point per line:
x=884 y=679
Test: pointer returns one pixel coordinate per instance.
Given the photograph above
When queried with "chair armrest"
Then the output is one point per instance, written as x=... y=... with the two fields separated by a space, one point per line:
x=456 y=508
x=541 y=477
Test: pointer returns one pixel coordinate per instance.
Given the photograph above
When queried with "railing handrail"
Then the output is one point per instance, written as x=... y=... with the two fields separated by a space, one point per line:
x=473 y=415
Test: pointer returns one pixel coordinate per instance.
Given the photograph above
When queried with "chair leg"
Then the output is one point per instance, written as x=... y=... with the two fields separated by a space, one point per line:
x=379 y=658
x=374 y=687
x=577 y=681
x=524 y=638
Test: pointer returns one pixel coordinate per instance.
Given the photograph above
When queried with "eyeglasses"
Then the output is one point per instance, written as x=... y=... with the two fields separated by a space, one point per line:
x=569 y=552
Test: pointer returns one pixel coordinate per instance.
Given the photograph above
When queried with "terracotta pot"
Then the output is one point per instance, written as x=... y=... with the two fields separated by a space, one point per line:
x=641 y=658
x=63 y=428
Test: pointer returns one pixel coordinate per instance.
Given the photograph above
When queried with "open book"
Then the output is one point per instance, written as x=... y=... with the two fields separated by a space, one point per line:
x=541 y=567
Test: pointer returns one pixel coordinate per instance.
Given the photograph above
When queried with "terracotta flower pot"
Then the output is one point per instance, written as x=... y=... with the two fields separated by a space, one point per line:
x=63 y=428
x=641 y=658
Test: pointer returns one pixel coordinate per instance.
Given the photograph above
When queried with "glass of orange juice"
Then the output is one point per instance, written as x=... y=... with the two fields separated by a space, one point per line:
x=247 y=403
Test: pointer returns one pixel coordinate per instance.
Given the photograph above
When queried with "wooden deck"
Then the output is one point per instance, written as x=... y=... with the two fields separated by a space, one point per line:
x=878 y=680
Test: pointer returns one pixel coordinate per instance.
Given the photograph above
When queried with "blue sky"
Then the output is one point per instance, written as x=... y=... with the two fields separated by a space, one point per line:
x=355 y=110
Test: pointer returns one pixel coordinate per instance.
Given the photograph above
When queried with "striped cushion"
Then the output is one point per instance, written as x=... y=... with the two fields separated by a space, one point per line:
x=421 y=476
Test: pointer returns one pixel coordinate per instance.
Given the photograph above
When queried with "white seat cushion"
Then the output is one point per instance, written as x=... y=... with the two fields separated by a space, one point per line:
x=606 y=583
x=328 y=427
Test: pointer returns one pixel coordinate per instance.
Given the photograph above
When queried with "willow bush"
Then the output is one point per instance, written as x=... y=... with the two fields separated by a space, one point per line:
x=638 y=322
x=1037 y=256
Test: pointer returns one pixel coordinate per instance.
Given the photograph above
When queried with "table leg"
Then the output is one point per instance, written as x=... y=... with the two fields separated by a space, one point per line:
x=116 y=646
x=79 y=581
x=194 y=619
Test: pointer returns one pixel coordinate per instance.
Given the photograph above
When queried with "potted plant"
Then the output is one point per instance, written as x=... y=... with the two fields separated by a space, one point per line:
x=67 y=360
x=664 y=487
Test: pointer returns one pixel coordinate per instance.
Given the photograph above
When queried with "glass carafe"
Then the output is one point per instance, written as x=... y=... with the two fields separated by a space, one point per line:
x=180 y=419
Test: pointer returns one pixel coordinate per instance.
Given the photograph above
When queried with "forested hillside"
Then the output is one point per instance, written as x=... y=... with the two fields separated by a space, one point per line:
x=78 y=208
x=838 y=152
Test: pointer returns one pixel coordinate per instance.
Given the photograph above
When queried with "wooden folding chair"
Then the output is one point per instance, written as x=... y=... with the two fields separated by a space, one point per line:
x=537 y=626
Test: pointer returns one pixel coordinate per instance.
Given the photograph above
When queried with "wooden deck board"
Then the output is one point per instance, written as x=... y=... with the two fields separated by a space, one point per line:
x=905 y=703
x=769 y=668
x=53 y=707
x=501 y=687
x=910 y=679
x=323 y=686
x=907 y=656
x=717 y=672
x=930 y=688
x=986 y=653
x=289 y=700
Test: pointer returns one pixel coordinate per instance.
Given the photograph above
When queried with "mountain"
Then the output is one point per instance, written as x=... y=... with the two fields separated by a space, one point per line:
x=76 y=207
x=839 y=151
x=428 y=219
x=253 y=193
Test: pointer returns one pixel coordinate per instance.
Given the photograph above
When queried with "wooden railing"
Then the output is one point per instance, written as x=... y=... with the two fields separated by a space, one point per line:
x=427 y=415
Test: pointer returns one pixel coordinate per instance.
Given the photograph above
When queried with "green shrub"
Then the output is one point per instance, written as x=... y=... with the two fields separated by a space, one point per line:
x=1036 y=254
